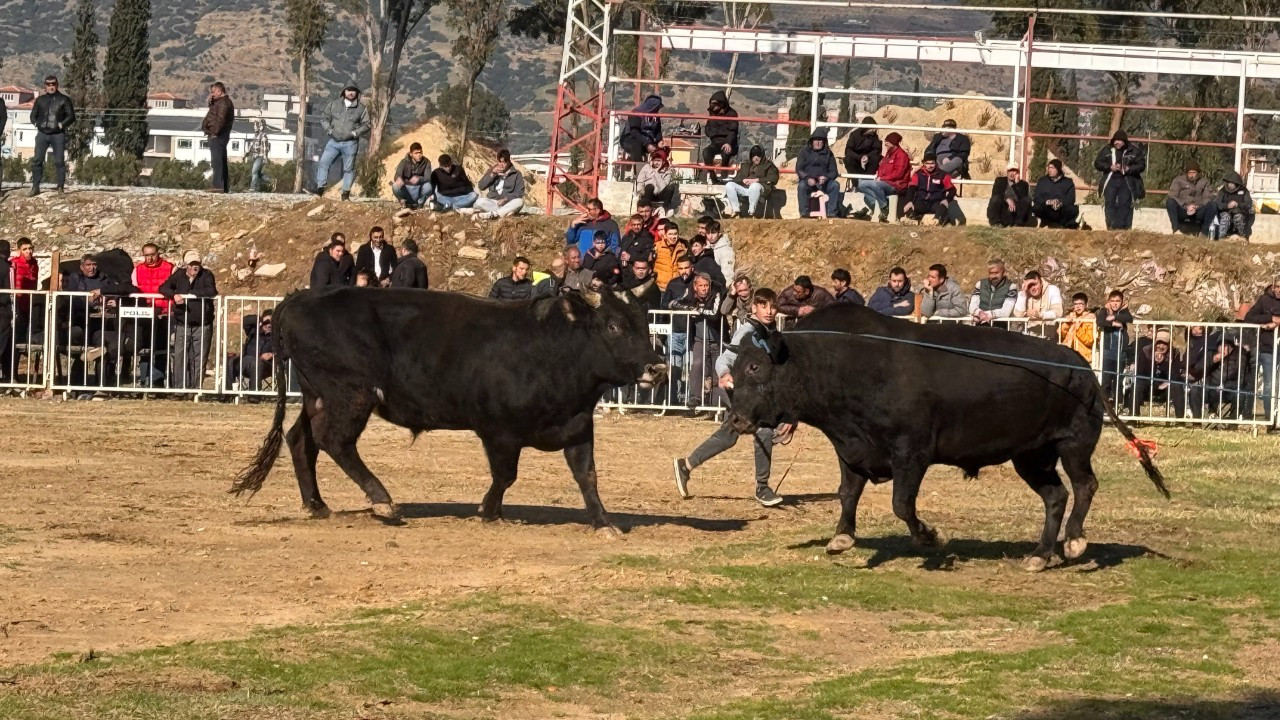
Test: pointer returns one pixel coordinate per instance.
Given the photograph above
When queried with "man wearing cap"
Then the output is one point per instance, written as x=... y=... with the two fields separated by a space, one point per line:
x=192 y=320
x=346 y=120
x=754 y=180
x=952 y=150
x=892 y=178
x=1188 y=199
x=1055 y=199
x=1010 y=204
x=1121 y=164
x=51 y=114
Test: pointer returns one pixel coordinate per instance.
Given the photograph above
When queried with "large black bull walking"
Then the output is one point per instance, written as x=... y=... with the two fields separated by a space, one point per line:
x=519 y=374
x=895 y=397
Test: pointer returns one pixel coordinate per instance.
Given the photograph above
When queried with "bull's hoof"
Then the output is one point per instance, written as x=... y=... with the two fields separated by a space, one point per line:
x=608 y=532
x=318 y=512
x=1035 y=564
x=386 y=511
x=1073 y=549
x=926 y=539
x=840 y=543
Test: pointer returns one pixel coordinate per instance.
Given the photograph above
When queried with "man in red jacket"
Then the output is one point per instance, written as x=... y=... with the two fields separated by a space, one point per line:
x=26 y=276
x=150 y=274
x=892 y=178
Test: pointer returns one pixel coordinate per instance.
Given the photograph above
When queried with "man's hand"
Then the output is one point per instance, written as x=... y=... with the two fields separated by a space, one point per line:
x=908 y=208
x=1191 y=209
x=864 y=162
x=580 y=220
x=1163 y=386
x=750 y=181
x=385 y=282
x=1231 y=205
x=726 y=381
x=95 y=295
x=982 y=316
x=726 y=148
x=822 y=179
x=804 y=310
x=178 y=299
x=266 y=357
x=399 y=182
x=811 y=182
x=1056 y=204
x=1115 y=167
x=1013 y=206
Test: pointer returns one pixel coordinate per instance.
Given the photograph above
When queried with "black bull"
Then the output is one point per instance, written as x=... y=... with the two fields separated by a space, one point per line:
x=518 y=374
x=892 y=407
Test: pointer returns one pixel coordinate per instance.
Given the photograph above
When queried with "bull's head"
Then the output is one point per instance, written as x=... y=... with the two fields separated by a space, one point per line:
x=756 y=399
x=625 y=354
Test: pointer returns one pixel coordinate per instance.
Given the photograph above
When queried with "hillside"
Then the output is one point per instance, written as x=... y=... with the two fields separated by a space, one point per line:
x=1174 y=277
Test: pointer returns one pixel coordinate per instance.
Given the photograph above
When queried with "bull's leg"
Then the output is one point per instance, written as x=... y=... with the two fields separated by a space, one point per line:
x=1039 y=470
x=336 y=429
x=302 y=446
x=353 y=465
x=851 y=486
x=907 y=476
x=582 y=462
x=1079 y=467
x=504 y=462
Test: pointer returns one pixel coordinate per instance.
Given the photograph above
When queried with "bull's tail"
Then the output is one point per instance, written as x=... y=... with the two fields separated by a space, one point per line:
x=1144 y=455
x=251 y=478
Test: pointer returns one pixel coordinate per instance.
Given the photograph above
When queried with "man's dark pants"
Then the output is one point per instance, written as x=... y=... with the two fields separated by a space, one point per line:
x=218 y=160
x=189 y=356
x=57 y=142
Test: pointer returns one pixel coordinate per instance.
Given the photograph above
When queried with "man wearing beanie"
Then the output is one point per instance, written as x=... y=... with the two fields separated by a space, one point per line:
x=755 y=180
x=892 y=178
x=1121 y=164
x=1189 y=196
x=1055 y=199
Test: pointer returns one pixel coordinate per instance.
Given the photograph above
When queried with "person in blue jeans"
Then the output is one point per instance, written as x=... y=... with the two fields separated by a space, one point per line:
x=454 y=190
x=346 y=120
x=816 y=172
x=411 y=182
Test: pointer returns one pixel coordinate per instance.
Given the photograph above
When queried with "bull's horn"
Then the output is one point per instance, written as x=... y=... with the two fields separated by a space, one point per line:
x=623 y=295
x=592 y=297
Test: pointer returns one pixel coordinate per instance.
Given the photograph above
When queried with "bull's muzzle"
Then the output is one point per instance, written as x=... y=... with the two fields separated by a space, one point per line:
x=741 y=424
x=653 y=374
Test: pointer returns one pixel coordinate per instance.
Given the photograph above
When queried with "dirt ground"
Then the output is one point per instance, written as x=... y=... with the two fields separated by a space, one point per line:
x=117 y=533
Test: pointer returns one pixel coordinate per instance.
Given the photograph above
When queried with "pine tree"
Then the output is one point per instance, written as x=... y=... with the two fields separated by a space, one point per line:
x=798 y=135
x=126 y=77
x=915 y=88
x=80 y=76
x=478 y=23
x=846 y=100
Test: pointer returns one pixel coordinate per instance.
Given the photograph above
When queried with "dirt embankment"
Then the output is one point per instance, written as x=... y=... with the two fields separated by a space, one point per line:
x=1180 y=276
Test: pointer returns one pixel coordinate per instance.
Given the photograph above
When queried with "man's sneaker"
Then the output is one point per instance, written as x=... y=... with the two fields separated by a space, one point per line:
x=682 y=471
x=863 y=214
x=767 y=497
x=884 y=217
x=34 y=192
x=346 y=194
x=317 y=191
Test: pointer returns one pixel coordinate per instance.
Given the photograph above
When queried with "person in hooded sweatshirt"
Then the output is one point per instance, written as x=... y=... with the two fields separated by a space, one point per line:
x=1231 y=212
x=894 y=299
x=816 y=172
x=722 y=134
x=1188 y=199
x=644 y=133
x=862 y=150
x=346 y=122
x=1055 y=199
x=655 y=185
x=1121 y=164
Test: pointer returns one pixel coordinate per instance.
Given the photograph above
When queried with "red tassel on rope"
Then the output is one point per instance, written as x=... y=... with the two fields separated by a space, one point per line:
x=1149 y=445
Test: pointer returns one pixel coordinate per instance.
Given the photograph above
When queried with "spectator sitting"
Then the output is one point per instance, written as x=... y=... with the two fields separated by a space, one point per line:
x=655 y=186
x=644 y=132
x=668 y=252
x=862 y=151
x=704 y=261
x=842 y=288
x=737 y=303
x=896 y=298
x=410 y=271
x=551 y=282
x=453 y=189
x=582 y=230
x=1055 y=201
x=332 y=265
x=1121 y=164
x=1232 y=210
x=576 y=277
x=1010 y=204
x=722 y=135
x=411 y=181
x=85 y=320
x=719 y=244
x=637 y=242
x=377 y=258
x=642 y=285
x=1188 y=200
x=1226 y=387
x=942 y=296
x=149 y=275
x=517 y=285
x=600 y=262
x=1038 y=300
x=802 y=298
x=255 y=363
x=892 y=178
x=1160 y=377
x=505 y=186
x=816 y=173
x=930 y=192
x=1265 y=311
x=1113 y=321
x=648 y=220
x=994 y=296
x=756 y=179
x=952 y=150
x=1078 y=330
x=192 y=320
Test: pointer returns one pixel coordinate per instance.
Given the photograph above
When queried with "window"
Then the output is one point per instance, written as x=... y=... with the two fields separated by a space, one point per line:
x=235 y=146
x=204 y=144
x=184 y=144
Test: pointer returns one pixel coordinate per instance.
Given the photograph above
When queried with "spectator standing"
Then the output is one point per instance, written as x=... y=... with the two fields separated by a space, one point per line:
x=26 y=276
x=895 y=298
x=816 y=172
x=345 y=120
x=892 y=178
x=754 y=180
x=802 y=298
x=1113 y=321
x=582 y=231
x=258 y=149
x=1038 y=300
x=704 y=261
x=600 y=262
x=517 y=285
x=644 y=131
x=721 y=247
x=756 y=331
x=411 y=182
x=643 y=286
x=377 y=257
x=722 y=134
x=668 y=252
x=1055 y=199
x=332 y=265
x=410 y=271
x=655 y=187
x=192 y=320
x=862 y=151
x=1265 y=311
x=704 y=333
x=1232 y=210
x=929 y=194
x=737 y=302
x=151 y=273
x=1188 y=200
x=1010 y=204
x=505 y=189
x=51 y=114
x=636 y=243
x=942 y=296
x=842 y=288
x=6 y=315
x=677 y=292
x=952 y=150
x=994 y=296
x=1121 y=164
x=217 y=125
x=1079 y=329
x=453 y=189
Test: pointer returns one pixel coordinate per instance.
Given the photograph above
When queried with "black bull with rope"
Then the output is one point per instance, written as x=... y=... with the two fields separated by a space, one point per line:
x=895 y=397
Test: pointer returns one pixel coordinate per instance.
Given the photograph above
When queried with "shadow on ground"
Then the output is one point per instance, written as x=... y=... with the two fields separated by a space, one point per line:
x=1263 y=706
x=1099 y=556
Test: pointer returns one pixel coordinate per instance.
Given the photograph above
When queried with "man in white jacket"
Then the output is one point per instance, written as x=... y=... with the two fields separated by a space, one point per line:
x=1038 y=300
x=721 y=248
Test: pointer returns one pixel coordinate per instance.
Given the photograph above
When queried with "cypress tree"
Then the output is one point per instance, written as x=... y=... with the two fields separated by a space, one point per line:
x=798 y=135
x=80 y=76
x=126 y=77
